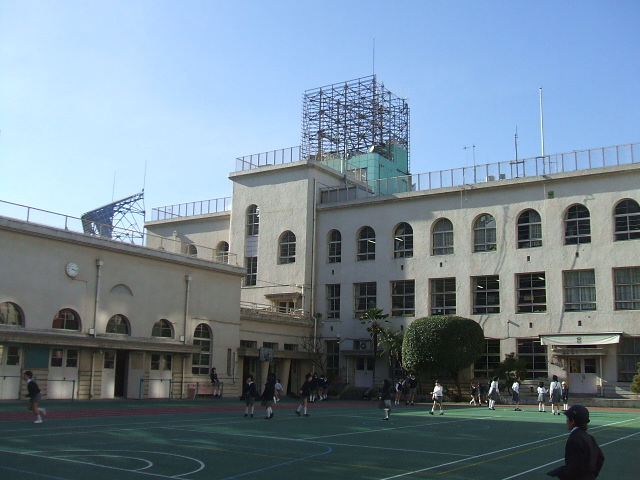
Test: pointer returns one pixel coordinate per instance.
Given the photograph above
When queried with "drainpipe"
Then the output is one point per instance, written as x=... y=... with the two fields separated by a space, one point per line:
x=92 y=331
x=188 y=279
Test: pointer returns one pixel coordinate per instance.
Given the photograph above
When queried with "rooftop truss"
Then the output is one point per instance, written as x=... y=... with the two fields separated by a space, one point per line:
x=351 y=118
x=117 y=220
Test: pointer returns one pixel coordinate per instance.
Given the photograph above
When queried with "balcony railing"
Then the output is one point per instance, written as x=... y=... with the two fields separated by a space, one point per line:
x=201 y=207
x=274 y=157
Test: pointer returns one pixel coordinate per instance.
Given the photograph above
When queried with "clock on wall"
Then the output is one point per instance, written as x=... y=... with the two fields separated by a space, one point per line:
x=72 y=269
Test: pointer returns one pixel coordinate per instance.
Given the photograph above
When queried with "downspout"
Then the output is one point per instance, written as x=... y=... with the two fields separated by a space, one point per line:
x=187 y=279
x=92 y=331
x=312 y=297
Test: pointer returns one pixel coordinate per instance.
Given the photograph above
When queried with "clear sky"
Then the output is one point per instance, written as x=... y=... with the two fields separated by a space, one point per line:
x=92 y=90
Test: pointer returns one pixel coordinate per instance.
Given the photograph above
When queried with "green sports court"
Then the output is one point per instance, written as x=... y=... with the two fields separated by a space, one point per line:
x=211 y=439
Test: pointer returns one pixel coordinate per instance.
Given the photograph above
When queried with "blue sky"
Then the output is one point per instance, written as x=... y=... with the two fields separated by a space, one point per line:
x=92 y=90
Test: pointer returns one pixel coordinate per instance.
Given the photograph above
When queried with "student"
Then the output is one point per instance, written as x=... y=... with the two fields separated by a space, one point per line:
x=541 y=393
x=249 y=394
x=278 y=390
x=413 y=388
x=33 y=392
x=268 y=396
x=516 y=394
x=215 y=382
x=564 y=395
x=385 y=398
x=437 y=395
x=325 y=387
x=399 y=386
x=554 y=395
x=313 y=390
x=305 y=391
x=583 y=458
x=494 y=393
x=473 y=392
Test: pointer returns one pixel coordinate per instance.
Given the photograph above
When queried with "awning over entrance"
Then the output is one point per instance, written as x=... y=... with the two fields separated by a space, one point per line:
x=572 y=339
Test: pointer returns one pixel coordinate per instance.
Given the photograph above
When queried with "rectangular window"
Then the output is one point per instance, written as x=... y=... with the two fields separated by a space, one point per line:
x=109 y=359
x=579 y=290
x=443 y=296
x=291 y=347
x=486 y=294
x=333 y=359
x=364 y=297
x=57 y=356
x=286 y=307
x=333 y=301
x=628 y=358
x=248 y=344
x=403 y=298
x=12 y=355
x=72 y=358
x=271 y=345
x=251 y=264
x=627 y=288
x=535 y=356
x=489 y=361
x=229 y=361
x=532 y=294
x=155 y=361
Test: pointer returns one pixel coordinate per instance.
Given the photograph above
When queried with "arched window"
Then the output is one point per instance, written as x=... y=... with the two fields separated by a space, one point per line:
x=192 y=250
x=403 y=241
x=287 y=248
x=11 y=314
x=66 y=319
x=577 y=225
x=484 y=233
x=443 y=237
x=253 y=220
x=366 y=244
x=335 y=247
x=222 y=252
x=529 y=229
x=627 y=219
x=118 y=324
x=200 y=361
x=162 y=328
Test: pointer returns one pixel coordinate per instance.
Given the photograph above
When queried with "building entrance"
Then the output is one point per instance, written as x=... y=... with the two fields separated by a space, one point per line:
x=583 y=377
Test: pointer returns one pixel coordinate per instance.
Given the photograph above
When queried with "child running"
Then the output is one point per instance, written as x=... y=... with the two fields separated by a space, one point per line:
x=437 y=398
x=541 y=393
x=33 y=392
x=305 y=391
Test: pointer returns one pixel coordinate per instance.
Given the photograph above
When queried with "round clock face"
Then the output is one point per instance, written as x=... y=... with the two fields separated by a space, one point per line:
x=72 y=269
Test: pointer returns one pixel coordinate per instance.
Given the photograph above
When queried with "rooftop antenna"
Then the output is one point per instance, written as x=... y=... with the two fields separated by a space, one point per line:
x=541 y=123
x=515 y=139
x=374 y=56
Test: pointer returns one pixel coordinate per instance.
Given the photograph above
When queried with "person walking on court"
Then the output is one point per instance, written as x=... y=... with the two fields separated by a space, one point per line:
x=413 y=388
x=583 y=458
x=555 y=391
x=305 y=391
x=541 y=393
x=215 y=382
x=564 y=395
x=437 y=396
x=249 y=395
x=268 y=396
x=279 y=390
x=385 y=398
x=494 y=393
x=33 y=392
x=473 y=393
x=516 y=394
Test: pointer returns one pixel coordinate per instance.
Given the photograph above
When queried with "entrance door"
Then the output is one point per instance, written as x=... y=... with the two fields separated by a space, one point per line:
x=364 y=372
x=10 y=373
x=583 y=377
x=63 y=373
x=108 y=374
x=120 y=380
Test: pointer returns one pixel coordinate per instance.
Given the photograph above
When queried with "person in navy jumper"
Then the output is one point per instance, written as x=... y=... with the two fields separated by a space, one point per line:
x=583 y=458
x=33 y=392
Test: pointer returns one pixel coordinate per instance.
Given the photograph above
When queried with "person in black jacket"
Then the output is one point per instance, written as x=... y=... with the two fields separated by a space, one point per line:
x=249 y=394
x=33 y=392
x=305 y=391
x=268 y=396
x=385 y=398
x=583 y=458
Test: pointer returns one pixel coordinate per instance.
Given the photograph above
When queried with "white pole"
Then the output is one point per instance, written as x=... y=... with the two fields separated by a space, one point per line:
x=541 y=123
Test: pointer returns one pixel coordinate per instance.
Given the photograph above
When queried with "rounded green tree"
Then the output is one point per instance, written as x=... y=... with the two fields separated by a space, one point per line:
x=442 y=343
x=635 y=384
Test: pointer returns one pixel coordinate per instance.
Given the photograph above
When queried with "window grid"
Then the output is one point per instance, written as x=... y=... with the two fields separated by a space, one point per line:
x=66 y=319
x=627 y=220
x=532 y=294
x=403 y=298
x=403 y=241
x=489 y=360
x=484 y=234
x=366 y=244
x=443 y=296
x=200 y=361
x=627 y=288
x=287 y=248
x=579 y=290
x=443 y=237
x=333 y=301
x=253 y=220
x=162 y=328
x=535 y=355
x=251 y=264
x=628 y=358
x=529 y=229
x=335 y=247
x=11 y=314
x=364 y=296
x=577 y=225
x=118 y=324
x=486 y=294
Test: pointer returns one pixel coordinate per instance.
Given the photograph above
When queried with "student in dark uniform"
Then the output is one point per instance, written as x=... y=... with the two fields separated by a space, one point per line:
x=249 y=395
x=268 y=396
x=385 y=398
x=305 y=391
x=215 y=382
x=33 y=392
x=583 y=458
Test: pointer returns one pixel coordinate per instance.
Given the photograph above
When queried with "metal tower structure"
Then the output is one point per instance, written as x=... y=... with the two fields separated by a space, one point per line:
x=117 y=220
x=347 y=119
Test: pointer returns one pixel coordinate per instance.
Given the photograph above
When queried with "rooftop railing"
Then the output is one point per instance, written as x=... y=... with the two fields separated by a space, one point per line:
x=201 y=207
x=274 y=157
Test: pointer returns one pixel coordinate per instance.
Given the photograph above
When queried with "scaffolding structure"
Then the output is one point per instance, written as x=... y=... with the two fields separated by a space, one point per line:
x=117 y=220
x=352 y=118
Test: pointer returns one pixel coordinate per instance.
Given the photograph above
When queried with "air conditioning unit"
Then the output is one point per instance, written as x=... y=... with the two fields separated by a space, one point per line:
x=490 y=178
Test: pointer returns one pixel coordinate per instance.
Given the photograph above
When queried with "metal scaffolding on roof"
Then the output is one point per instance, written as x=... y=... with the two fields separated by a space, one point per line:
x=352 y=118
x=117 y=220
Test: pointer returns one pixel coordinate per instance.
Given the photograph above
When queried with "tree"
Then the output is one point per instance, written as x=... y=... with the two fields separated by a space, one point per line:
x=373 y=318
x=442 y=342
x=635 y=384
x=391 y=343
x=313 y=343
x=511 y=368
